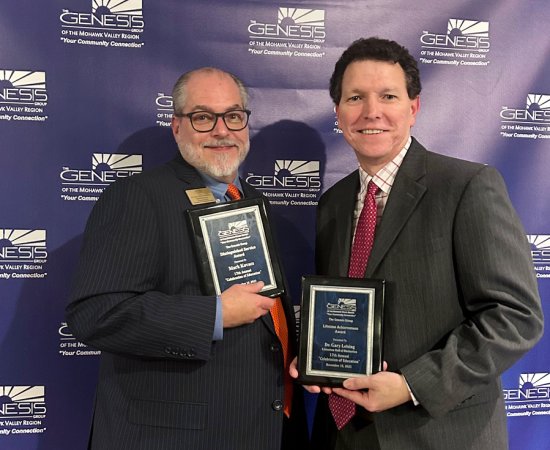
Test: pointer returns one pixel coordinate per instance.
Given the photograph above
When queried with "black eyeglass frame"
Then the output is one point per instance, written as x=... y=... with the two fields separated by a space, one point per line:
x=217 y=116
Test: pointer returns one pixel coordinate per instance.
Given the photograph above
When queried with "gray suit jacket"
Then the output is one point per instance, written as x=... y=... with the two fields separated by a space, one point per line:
x=462 y=300
x=163 y=383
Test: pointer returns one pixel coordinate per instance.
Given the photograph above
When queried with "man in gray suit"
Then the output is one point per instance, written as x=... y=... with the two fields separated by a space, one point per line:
x=462 y=303
x=181 y=369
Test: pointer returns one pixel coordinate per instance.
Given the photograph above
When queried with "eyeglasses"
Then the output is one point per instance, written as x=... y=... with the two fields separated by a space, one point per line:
x=205 y=121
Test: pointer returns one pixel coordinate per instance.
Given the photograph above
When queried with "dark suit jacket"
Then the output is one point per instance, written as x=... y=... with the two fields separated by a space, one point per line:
x=462 y=301
x=163 y=383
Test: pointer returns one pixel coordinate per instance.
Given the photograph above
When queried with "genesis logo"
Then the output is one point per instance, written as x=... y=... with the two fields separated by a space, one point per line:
x=22 y=402
x=344 y=305
x=536 y=111
x=540 y=250
x=289 y=174
x=293 y=24
x=532 y=387
x=123 y=15
x=22 y=246
x=164 y=104
x=462 y=34
x=22 y=87
x=235 y=231
x=106 y=168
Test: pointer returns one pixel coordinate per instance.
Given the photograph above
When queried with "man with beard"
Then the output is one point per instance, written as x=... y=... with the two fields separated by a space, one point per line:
x=179 y=369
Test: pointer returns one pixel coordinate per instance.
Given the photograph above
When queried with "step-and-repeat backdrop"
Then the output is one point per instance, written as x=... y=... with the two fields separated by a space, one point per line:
x=85 y=100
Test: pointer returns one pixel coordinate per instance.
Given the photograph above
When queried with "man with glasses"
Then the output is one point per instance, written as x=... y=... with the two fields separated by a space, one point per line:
x=181 y=370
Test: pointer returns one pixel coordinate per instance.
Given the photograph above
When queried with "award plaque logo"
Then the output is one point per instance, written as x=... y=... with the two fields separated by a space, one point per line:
x=531 y=122
x=466 y=43
x=235 y=231
x=23 y=95
x=343 y=307
x=298 y=32
x=87 y=185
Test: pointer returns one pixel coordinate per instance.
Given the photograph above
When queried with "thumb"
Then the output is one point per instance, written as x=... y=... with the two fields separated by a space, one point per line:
x=254 y=287
x=354 y=384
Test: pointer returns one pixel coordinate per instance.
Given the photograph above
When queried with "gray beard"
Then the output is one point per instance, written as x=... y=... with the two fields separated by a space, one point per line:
x=223 y=165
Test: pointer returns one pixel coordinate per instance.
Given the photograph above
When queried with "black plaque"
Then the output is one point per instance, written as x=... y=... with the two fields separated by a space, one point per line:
x=234 y=245
x=340 y=329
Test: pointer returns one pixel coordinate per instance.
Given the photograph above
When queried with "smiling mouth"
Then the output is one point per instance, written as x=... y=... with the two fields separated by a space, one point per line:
x=371 y=131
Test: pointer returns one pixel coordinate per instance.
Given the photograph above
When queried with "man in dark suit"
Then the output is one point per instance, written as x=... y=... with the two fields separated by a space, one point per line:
x=462 y=303
x=180 y=369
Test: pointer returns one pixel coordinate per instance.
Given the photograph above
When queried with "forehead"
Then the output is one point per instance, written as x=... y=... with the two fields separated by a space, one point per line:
x=213 y=89
x=374 y=73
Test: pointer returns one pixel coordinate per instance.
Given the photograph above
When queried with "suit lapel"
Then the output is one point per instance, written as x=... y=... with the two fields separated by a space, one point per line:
x=343 y=216
x=406 y=192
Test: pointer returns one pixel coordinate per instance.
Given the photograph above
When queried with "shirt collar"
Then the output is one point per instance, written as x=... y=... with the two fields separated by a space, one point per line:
x=385 y=177
x=219 y=188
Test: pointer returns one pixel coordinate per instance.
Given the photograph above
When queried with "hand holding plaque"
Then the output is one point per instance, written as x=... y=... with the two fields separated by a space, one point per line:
x=340 y=329
x=233 y=244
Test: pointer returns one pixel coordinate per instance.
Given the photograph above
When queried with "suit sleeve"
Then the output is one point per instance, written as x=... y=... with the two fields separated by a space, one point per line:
x=498 y=289
x=116 y=305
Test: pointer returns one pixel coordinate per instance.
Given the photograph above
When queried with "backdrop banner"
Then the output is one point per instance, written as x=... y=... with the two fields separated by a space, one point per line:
x=85 y=99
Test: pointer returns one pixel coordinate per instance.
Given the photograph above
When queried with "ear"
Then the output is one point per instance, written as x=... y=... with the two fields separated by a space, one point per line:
x=415 y=107
x=175 y=125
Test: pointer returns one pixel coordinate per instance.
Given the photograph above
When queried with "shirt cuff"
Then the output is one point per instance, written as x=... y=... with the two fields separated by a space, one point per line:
x=218 y=324
x=413 y=398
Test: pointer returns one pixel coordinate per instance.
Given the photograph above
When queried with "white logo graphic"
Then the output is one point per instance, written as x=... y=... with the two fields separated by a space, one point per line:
x=237 y=230
x=531 y=398
x=111 y=23
x=462 y=27
x=69 y=346
x=21 y=402
x=534 y=380
x=23 y=95
x=298 y=32
x=302 y=168
x=106 y=169
x=531 y=122
x=294 y=16
x=164 y=104
x=118 y=163
x=343 y=305
x=22 y=246
x=540 y=250
x=466 y=43
x=129 y=7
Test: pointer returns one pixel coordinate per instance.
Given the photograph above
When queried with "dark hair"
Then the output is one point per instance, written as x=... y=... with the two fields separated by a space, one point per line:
x=377 y=49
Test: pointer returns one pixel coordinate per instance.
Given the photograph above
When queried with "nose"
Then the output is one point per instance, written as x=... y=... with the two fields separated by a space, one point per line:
x=220 y=129
x=371 y=107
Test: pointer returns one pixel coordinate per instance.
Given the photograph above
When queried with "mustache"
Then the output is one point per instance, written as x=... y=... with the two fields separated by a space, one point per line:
x=219 y=143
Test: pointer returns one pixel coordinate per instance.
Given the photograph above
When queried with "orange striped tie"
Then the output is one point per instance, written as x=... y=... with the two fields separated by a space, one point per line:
x=279 y=323
x=281 y=328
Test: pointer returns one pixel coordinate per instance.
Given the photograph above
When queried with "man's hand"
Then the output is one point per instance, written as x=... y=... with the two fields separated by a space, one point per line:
x=385 y=390
x=293 y=371
x=242 y=304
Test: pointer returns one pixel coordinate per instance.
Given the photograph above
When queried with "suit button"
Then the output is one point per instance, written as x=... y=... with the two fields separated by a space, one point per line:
x=191 y=353
x=277 y=405
x=274 y=347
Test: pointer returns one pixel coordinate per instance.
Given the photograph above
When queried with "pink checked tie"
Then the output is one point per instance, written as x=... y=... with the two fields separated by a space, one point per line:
x=343 y=409
x=279 y=323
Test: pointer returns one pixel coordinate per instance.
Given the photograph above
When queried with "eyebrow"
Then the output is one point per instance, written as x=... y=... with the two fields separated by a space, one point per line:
x=207 y=108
